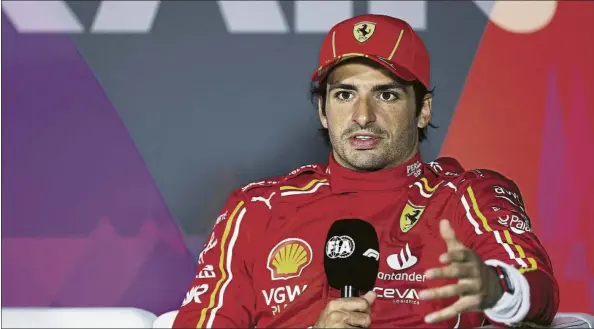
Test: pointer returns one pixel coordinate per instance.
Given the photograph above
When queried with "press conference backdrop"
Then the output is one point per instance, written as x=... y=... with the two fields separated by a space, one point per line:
x=127 y=123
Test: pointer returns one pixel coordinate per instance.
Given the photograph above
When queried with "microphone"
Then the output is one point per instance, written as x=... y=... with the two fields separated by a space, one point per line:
x=351 y=256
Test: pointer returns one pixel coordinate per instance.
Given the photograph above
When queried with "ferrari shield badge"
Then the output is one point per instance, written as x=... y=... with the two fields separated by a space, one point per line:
x=410 y=216
x=363 y=31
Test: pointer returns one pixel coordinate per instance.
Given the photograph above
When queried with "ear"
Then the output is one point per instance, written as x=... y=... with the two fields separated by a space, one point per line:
x=323 y=118
x=425 y=115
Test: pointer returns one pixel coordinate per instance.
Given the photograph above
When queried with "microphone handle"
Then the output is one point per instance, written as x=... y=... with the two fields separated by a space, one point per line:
x=349 y=291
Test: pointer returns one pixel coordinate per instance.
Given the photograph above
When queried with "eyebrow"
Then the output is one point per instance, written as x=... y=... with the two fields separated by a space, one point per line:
x=385 y=86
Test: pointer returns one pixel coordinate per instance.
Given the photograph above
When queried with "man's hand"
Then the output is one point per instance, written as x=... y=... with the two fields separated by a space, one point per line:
x=478 y=286
x=347 y=312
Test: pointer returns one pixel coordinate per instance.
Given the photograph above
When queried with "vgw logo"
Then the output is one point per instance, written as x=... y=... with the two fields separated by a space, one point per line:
x=280 y=297
x=137 y=17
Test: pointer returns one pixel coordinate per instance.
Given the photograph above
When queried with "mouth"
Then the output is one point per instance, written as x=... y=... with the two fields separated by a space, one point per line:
x=364 y=141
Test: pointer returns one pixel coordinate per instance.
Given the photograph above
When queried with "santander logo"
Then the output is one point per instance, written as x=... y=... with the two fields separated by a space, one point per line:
x=402 y=260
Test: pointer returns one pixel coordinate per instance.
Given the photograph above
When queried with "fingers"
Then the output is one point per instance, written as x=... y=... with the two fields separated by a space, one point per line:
x=447 y=291
x=464 y=304
x=359 y=320
x=453 y=271
x=370 y=297
x=347 y=312
x=463 y=266
x=342 y=319
x=458 y=255
x=355 y=304
x=448 y=235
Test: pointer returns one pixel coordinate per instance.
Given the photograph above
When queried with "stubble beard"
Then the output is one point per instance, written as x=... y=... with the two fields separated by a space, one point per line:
x=388 y=153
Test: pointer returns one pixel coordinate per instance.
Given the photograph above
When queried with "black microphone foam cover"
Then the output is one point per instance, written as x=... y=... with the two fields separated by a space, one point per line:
x=351 y=255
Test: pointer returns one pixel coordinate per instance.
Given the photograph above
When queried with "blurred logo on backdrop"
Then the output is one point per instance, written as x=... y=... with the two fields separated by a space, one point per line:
x=138 y=17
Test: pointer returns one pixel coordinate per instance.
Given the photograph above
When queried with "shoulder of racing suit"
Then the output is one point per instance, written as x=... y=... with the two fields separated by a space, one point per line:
x=448 y=171
x=299 y=181
x=493 y=190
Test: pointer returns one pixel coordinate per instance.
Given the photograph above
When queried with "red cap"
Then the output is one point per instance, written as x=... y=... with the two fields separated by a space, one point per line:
x=387 y=40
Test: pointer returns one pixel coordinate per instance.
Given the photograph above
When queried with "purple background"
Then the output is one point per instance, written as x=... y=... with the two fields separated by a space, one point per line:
x=83 y=222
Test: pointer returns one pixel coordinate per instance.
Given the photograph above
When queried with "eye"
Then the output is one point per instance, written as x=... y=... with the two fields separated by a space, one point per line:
x=344 y=95
x=388 y=96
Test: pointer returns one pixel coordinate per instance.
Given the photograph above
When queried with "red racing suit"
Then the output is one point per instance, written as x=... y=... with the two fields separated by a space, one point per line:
x=262 y=266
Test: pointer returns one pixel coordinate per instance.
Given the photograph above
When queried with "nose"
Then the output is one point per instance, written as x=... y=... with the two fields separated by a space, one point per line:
x=363 y=114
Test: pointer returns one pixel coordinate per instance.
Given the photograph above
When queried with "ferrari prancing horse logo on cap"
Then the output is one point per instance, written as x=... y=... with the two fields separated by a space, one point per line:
x=363 y=31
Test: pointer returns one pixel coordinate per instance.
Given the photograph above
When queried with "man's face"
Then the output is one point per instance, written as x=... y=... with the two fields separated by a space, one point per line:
x=371 y=118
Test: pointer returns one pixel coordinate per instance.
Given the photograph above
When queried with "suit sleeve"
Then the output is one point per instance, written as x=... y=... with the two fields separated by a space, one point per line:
x=493 y=221
x=221 y=295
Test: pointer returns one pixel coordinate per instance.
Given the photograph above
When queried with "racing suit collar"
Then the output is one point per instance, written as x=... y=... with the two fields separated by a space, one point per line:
x=345 y=180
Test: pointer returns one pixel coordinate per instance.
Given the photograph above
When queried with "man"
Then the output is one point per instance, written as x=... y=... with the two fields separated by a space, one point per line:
x=456 y=246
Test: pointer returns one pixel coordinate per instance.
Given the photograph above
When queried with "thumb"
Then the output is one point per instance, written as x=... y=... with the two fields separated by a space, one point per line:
x=449 y=235
x=370 y=297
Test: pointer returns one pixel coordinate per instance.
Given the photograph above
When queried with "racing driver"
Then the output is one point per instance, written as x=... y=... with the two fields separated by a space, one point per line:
x=456 y=246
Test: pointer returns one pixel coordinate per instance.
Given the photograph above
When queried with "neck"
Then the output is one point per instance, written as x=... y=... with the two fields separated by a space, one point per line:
x=344 y=179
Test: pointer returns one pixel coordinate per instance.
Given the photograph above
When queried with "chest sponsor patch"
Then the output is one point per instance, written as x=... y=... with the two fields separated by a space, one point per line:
x=288 y=259
x=410 y=216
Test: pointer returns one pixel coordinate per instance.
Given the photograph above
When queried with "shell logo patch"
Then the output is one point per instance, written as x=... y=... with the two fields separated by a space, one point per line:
x=288 y=259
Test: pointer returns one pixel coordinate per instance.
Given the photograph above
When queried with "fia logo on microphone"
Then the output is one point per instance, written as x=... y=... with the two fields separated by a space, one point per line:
x=340 y=247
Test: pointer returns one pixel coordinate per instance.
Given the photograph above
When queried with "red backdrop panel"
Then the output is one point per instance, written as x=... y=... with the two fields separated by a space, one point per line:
x=527 y=111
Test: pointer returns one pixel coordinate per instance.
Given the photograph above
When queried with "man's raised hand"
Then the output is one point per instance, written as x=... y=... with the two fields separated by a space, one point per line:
x=478 y=285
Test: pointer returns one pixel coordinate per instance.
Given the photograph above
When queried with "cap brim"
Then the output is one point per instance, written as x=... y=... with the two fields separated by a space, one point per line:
x=399 y=71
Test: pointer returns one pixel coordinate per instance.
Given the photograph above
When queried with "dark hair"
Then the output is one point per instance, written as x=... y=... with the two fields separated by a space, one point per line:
x=318 y=90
